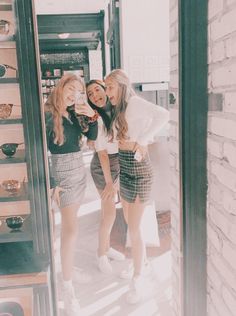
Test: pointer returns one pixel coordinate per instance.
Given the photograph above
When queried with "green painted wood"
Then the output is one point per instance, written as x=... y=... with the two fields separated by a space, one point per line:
x=69 y=23
x=19 y=258
x=193 y=154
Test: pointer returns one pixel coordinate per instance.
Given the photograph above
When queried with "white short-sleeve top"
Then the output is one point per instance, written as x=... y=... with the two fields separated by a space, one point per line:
x=102 y=141
x=145 y=120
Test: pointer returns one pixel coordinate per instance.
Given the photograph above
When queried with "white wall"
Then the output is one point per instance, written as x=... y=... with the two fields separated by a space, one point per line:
x=221 y=162
x=95 y=64
x=144 y=31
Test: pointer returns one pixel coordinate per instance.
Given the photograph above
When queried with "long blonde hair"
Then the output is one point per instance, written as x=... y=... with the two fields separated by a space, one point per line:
x=55 y=105
x=125 y=92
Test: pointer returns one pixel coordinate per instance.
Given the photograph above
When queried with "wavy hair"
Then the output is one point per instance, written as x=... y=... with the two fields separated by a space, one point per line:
x=55 y=106
x=125 y=92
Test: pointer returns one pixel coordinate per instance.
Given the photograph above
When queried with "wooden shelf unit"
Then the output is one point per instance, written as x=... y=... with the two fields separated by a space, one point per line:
x=26 y=259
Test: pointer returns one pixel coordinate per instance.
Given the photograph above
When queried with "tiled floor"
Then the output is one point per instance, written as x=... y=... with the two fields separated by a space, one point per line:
x=105 y=295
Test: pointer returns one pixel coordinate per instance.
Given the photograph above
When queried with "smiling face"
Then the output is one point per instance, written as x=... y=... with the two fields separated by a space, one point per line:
x=71 y=92
x=96 y=95
x=112 y=91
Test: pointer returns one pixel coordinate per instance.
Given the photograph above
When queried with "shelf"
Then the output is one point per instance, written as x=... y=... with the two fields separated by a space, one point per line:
x=5 y=7
x=23 y=279
x=21 y=195
x=12 y=120
x=20 y=258
x=8 y=235
x=7 y=41
x=19 y=157
x=51 y=77
x=9 y=80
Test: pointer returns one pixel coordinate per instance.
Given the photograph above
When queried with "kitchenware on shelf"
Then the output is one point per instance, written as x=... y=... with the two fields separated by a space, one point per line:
x=12 y=186
x=3 y=69
x=9 y=149
x=4 y=27
x=6 y=109
x=15 y=222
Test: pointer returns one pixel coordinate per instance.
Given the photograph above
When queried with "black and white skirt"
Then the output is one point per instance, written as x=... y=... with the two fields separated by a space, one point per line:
x=136 y=178
x=97 y=172
x=69 y=173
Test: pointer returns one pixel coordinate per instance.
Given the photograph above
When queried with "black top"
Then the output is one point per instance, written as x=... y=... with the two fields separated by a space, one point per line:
x=72 y=134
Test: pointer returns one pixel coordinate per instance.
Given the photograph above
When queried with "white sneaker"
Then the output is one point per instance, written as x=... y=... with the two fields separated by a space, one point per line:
x=128 y=273
x=71 y=303
x=115 y=255
x=134 y=295
x=104 y=264
x=81 y=276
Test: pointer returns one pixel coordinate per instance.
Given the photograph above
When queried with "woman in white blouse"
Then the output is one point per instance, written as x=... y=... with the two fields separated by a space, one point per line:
x=105 y=173
x=135 y=122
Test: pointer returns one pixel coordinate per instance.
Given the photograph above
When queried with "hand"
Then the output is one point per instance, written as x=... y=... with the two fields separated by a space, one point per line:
x=91 y=144
x=84 y=109
x=141 y=151
x=109 y=191
x=55 y=194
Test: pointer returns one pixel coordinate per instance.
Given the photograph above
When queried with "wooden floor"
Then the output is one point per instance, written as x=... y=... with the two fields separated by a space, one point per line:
x=105 y=295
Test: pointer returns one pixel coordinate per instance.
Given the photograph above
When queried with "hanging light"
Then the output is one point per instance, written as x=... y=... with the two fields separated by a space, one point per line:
x=63 y=35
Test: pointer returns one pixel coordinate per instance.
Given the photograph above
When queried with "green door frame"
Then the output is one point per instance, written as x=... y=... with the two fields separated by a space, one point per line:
x=193 y=75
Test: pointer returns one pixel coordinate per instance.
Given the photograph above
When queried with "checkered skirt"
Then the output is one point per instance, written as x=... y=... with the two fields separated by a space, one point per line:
x=69 y=173
x=97 y=172
x=136 y=178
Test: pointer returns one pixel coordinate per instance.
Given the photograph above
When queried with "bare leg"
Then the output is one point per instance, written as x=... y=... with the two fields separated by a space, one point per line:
x=107 y=220
x=125 y=207
x=69 y=229
x=126 y=211
x=135 y=213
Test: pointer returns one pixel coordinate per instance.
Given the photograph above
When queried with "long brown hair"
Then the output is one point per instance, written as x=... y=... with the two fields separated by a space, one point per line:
x=125 y=92
x=105 y=117
x=55 y=105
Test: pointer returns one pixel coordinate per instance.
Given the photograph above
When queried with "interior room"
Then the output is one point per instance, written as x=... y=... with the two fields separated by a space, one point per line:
x=122 y=220
x=90 y=39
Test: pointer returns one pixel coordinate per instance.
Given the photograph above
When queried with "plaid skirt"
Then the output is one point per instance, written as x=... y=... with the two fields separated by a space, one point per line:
x=69 y=173
x=97 y=172
x=136 y=178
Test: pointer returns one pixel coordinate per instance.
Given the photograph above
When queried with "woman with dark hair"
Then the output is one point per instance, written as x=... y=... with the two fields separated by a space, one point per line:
x=67 y=167
x=105 y=172
x=136 y=123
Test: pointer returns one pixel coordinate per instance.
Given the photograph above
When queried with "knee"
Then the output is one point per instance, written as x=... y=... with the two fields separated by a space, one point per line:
x=134 y=232
x=70 y=231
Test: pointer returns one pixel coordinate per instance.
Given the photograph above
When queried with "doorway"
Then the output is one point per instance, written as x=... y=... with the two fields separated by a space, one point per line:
x=107 y=294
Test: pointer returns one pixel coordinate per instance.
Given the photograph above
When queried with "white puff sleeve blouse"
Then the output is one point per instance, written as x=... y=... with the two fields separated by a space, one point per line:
x=145 y=120
x=102 y=141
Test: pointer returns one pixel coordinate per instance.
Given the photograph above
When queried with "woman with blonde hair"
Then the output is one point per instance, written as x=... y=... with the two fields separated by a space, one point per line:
x=136 y=123
x=64 y=106
x=105 y=173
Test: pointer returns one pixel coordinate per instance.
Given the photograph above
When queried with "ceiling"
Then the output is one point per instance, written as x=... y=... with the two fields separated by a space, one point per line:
x=71 y=31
